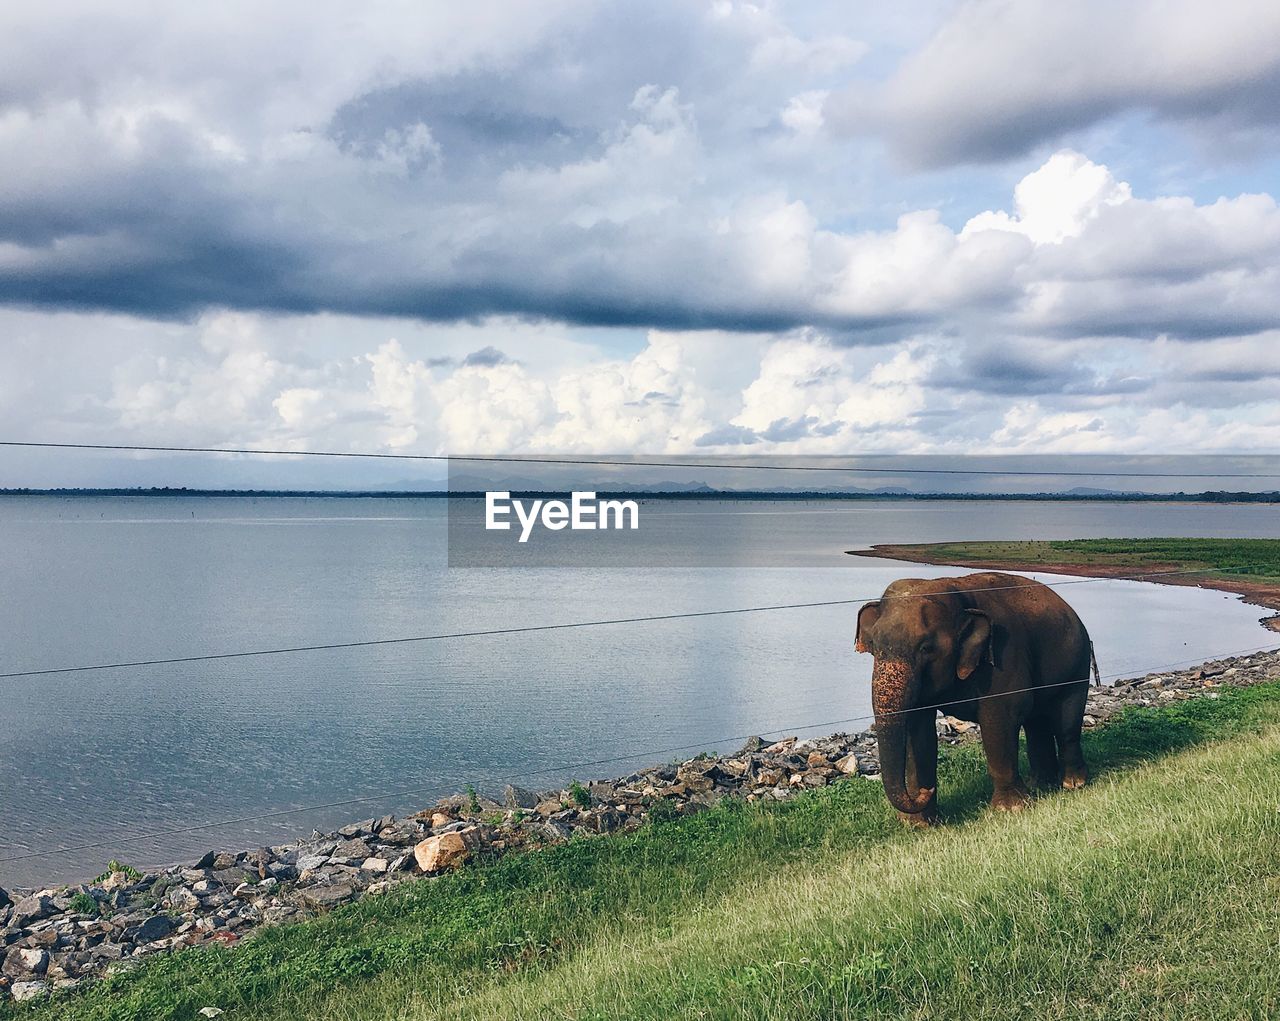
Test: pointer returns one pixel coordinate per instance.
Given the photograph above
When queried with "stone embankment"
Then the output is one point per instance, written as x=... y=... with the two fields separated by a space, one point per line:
x=57 y=938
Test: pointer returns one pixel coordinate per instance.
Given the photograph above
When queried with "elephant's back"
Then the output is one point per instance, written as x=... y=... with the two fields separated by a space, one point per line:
x=1053 y=630
x=1031 y=599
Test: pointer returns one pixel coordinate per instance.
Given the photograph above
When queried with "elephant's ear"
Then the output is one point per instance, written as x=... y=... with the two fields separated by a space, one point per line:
x=867 y=617
x=975 y=643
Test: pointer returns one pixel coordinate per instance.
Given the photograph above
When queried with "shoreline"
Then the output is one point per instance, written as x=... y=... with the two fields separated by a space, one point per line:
x=61 y=937
x=1255 y=593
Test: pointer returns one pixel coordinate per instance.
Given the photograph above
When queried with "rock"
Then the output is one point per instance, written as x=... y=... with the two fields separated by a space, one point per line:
x=548 y=808
x=440 y=819
x=108 y=952
x=350 y=849
x=357 y=829
x=375 y=865
x=754 y=744
x=154 y=928
x=182 y=899
x=5 y=900
x=694 y=778
x=282 y=871
x=402 y=833
x=117 y=881
x=23 y=991
x=816 y=759
x=325 y=897
x=311 y=862
x=22 y=962
x=517 y=797
x=555 y=830
x=848 y=765
x=445 y=850
x=32 y=909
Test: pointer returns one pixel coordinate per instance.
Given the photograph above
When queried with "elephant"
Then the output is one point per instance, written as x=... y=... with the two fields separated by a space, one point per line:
x=1001 y=650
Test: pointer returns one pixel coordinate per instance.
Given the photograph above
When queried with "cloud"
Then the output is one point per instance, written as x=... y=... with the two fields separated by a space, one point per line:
x=999 y=78
x=564 y=170
x=567 y=163
x=579 y=227
x=727 y=436
x=334 y=383
x=487 y=356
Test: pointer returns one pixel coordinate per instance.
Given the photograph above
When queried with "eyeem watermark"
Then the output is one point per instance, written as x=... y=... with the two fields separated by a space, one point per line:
x=583 y=512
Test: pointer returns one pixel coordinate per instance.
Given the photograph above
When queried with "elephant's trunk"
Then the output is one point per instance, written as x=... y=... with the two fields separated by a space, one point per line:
x=893 y=690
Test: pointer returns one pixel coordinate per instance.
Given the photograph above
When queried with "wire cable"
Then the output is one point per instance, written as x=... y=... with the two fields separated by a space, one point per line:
x=619 y=463
x=452 y=784
x=568 y=625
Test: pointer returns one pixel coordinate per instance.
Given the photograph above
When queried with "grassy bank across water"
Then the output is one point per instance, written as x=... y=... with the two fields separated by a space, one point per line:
x=1155 y=888
x=1248 y=567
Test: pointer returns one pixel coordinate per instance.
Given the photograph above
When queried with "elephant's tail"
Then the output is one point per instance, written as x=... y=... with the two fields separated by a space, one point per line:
x=1093 y=662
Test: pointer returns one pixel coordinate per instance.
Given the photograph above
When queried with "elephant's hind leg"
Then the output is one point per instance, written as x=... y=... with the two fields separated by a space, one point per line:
x=1042 y=753
x=1070 y=721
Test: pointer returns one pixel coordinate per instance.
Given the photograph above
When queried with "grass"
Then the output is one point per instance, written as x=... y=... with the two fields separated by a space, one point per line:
x=1250 y=559
x=1156 y=889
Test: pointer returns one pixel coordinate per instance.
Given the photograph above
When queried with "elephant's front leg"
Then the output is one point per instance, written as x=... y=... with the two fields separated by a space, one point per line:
x=1000 y=726
x=922 y=765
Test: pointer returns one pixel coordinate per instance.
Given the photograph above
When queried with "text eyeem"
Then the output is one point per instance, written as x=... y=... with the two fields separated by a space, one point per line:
x=583 y=512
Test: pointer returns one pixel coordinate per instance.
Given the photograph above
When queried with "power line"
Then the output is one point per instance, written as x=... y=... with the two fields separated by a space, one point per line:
x=453 y=635
x=565 y=768
x=619 y=463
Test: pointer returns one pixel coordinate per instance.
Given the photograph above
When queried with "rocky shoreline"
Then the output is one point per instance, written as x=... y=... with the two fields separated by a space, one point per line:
x=58 y=938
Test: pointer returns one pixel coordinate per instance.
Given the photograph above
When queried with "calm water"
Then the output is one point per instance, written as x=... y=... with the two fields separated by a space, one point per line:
x=97 y=756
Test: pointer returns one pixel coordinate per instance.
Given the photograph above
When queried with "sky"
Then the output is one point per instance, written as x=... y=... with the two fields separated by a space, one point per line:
x=661 y=228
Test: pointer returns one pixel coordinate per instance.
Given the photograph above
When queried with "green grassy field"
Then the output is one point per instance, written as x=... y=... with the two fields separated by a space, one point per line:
x=1156 y=889
x=1242 y=559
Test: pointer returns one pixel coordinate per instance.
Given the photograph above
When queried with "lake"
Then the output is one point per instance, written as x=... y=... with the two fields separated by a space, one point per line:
x=108 y=755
